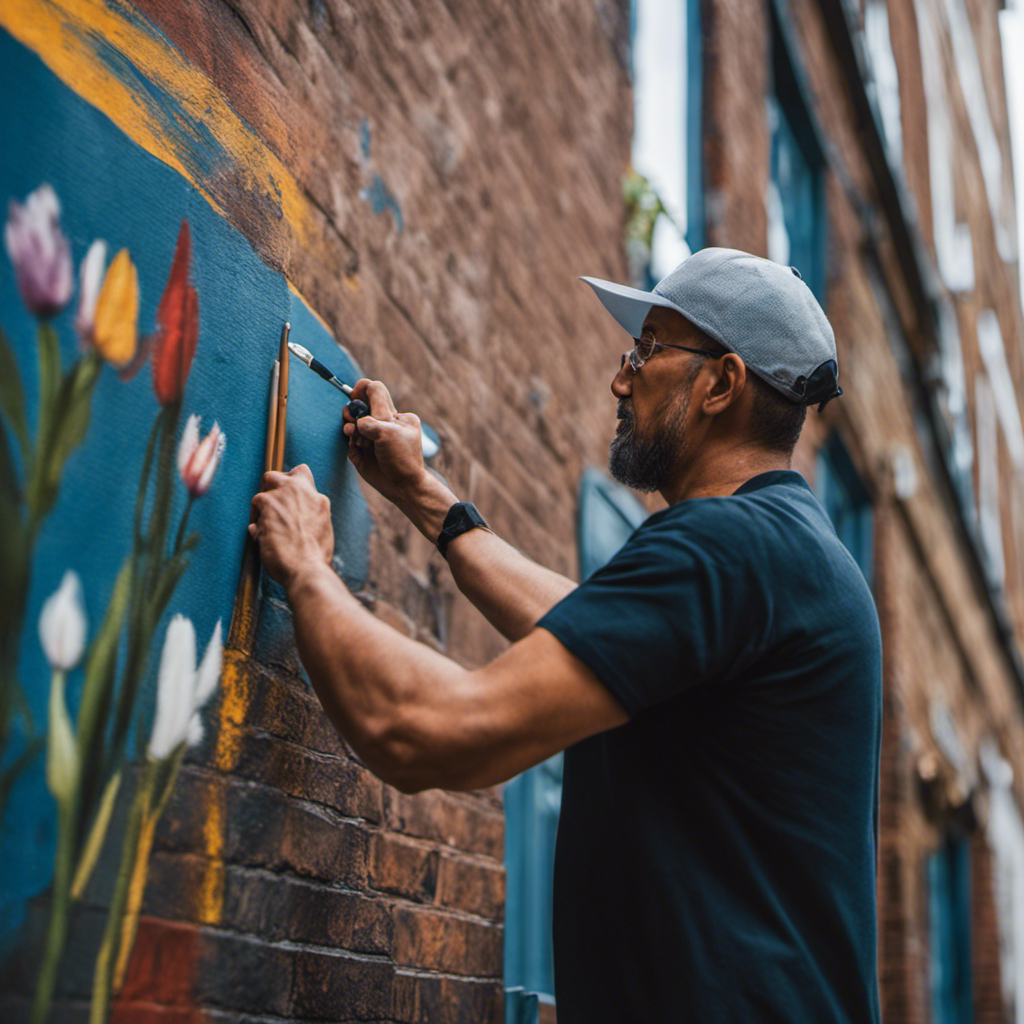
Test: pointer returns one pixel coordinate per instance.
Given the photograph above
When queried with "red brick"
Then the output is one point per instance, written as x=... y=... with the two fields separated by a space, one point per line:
x=453 y=819
x=438 y=940
x=163 y=964
x=427 y=999
x=473 y=885
x=403 y=866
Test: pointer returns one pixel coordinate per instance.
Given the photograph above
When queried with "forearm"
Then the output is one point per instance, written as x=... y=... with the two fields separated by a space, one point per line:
x=510 y=590
x=381 y=690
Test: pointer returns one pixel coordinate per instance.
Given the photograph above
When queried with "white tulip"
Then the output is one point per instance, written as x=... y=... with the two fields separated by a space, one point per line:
x=90 y=282
x=62 y=624
x=182 y=689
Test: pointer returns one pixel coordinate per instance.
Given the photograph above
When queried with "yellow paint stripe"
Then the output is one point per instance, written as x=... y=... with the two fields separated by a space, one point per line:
x=233 y=705
x=69 y=35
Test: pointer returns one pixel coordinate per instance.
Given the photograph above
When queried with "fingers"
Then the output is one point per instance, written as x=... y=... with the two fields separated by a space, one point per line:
x=274 y=479
x=377 y=396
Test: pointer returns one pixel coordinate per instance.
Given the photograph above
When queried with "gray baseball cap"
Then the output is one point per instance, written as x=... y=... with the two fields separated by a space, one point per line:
x=762 y=311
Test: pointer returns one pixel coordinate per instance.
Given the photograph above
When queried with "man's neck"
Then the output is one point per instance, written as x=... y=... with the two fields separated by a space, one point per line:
x=718 y=472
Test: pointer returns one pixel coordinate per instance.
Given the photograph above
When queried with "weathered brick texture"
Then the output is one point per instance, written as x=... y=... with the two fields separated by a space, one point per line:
x=464 y=161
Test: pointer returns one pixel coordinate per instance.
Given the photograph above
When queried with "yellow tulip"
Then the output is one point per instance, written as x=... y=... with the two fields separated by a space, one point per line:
x=115 y=327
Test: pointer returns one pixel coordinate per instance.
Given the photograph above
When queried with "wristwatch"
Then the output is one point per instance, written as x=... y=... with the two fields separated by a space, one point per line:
x=462 y=517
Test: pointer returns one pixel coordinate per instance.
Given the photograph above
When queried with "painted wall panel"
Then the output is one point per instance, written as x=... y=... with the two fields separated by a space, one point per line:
x=111 y=188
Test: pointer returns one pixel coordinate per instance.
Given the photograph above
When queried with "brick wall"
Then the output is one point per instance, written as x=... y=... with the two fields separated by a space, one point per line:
x=498 y=133
x=461 y=162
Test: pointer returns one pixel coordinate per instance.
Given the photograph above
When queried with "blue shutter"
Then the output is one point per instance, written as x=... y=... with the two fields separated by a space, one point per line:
x=949 y=904
x=847 y=502
x=608 y=514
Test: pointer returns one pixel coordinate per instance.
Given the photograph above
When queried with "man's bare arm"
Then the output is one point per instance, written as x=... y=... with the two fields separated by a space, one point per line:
x=512 y=591
x=418 y=719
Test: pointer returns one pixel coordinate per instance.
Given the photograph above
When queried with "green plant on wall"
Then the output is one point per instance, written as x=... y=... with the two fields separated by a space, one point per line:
x=85 y=759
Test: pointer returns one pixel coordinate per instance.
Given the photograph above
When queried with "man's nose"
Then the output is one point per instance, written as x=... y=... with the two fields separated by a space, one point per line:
x=622 y=382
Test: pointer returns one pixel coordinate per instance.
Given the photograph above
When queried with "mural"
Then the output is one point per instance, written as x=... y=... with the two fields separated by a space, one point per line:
x=133 y=393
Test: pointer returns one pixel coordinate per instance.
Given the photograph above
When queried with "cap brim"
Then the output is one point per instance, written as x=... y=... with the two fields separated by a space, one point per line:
x=629 y=306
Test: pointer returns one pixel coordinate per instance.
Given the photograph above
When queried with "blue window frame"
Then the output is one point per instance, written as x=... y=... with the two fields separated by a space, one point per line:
x=608 y=514
x=949 y=906
x=847 y=502
x=796 y=205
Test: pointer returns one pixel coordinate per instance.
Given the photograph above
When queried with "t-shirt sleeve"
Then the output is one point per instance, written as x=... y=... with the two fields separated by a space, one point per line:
x=675 y=608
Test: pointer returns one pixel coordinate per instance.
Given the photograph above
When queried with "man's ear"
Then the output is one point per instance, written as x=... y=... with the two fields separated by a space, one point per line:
x=728 y=381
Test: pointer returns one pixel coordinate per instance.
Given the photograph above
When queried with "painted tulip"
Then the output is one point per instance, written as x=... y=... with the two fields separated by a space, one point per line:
x=182 y=688
x=115 y=324
x=62 y=624
x=39 y=252
x=90 y=280
x=177 y=326
x=198 y=460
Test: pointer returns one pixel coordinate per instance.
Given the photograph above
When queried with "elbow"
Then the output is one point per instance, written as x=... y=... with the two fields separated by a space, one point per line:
x=399 y=754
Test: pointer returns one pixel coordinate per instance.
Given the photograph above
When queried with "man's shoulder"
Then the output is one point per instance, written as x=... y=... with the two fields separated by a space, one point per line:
x=779 y=507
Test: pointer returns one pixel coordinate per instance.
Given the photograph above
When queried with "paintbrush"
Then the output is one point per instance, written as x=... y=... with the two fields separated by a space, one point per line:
x=356 y=407
x=280 y=428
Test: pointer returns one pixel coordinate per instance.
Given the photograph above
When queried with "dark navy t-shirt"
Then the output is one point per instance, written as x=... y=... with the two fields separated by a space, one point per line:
x=715 y=861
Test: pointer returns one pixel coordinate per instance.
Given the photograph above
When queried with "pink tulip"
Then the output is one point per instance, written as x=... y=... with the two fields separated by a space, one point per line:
x=39 y=252
x=198 y=460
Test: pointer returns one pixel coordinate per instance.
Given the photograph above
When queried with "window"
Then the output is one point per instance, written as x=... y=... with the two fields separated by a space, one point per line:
x=608 y=514
x=990 y=524
x=847 y=503
x=884 y=85
x=949 y=906
x=952 y=237
x=795 y=199
x=1005 y=830
x=666 y=51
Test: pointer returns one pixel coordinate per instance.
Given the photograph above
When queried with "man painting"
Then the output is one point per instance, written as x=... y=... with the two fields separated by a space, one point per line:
x=716 y=686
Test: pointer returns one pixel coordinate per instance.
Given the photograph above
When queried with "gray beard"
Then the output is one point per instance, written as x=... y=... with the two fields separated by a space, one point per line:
x=646 y=464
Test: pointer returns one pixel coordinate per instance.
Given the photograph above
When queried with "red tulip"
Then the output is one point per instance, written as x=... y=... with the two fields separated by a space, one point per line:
x=177 y=326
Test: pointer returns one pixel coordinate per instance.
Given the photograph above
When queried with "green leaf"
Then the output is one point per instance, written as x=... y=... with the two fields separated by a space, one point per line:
x=61 y=755
x=71 y=420
x=49 y=387
x=97 y=693
x=49 y=383
x=171 y=572
x=94 y=842
x=12 y=398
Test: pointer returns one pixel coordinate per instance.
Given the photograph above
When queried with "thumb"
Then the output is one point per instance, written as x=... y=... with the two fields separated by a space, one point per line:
x=373 y=429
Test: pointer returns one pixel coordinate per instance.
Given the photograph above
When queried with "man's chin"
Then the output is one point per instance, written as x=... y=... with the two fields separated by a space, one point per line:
x=624 y=467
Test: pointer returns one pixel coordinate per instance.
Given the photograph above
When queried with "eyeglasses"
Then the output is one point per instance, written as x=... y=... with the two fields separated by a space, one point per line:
x=644 y=346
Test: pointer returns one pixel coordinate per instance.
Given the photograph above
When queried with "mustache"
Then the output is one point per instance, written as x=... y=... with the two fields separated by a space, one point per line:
x=623 y=412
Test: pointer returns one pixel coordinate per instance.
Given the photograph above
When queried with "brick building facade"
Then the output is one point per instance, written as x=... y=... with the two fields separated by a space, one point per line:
x=440 y=174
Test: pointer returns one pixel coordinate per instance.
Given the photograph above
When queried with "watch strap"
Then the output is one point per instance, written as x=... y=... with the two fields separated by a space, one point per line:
x=462 y=517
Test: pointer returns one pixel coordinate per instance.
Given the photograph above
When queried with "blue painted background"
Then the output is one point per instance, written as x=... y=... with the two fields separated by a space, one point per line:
x=109 y=188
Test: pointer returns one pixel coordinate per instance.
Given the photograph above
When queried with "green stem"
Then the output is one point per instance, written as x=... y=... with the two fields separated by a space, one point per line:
x=184 y=523
x=103 y=975
x=150 y=544
x=147 y=463
x=57 y=933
